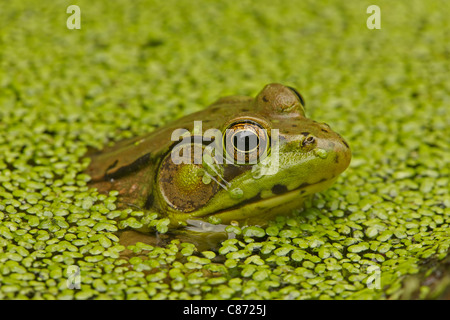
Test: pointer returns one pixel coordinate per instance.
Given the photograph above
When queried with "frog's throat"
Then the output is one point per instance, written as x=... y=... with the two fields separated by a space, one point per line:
x=261 y=211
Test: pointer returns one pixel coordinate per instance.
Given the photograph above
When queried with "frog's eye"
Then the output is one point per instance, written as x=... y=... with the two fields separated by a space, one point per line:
x=245 y=142
x=299 y=96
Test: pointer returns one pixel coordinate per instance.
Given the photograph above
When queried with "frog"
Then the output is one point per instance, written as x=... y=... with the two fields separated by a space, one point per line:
x=274 y=158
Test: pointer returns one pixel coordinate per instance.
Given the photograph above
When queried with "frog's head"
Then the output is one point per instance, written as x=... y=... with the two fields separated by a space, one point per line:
x=296 y=157
x=318 y=151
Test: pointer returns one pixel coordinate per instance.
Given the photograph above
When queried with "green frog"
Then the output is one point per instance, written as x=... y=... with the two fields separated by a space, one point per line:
x=241 y=159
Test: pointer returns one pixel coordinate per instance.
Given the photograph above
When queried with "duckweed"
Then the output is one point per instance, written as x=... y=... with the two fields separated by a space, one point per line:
x=382 y=231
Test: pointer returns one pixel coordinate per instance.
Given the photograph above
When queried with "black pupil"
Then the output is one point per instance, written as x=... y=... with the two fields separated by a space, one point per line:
x=245 y=140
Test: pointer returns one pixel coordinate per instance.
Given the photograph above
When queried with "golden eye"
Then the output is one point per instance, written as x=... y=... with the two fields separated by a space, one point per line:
x=245 y=142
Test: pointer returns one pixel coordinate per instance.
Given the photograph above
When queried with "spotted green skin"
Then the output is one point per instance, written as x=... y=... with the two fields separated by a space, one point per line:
x=132 y=167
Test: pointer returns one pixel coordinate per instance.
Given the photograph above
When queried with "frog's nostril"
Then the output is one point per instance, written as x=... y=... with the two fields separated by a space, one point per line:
x=308 y=140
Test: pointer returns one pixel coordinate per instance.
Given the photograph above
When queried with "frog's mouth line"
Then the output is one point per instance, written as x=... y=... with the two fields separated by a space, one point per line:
x=257 y=210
